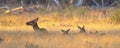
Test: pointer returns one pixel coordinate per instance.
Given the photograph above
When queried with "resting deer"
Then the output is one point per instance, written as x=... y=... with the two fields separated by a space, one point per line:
x=82 y=29
x=34 y=24
x=65 y=32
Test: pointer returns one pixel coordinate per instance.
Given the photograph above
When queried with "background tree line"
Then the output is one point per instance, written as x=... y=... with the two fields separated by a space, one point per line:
x=64 y=3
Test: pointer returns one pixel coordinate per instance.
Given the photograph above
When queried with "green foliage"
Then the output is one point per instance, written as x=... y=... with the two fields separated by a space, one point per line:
x=116 y=17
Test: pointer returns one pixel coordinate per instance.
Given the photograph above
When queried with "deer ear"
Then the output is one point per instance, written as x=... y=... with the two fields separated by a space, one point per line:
x=79 y=27
x=83 y=27
x=36 y=20
x=62 y=30
x=68 y=30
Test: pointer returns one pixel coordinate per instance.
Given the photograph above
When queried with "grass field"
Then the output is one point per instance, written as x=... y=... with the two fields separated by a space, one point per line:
x=16 y=34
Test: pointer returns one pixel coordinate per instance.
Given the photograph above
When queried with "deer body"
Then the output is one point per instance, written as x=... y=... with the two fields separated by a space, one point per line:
x=37 y=29
x=35 y=26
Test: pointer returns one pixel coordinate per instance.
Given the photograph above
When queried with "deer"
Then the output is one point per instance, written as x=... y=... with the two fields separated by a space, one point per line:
x=35 y=26
x=65 y=32
x=82 y=29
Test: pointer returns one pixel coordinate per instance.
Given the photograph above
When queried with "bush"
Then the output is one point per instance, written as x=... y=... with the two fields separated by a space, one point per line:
x=116 y=17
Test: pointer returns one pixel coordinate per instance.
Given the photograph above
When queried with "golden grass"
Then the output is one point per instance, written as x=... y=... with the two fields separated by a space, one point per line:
x=16 y=33
x=60 y=41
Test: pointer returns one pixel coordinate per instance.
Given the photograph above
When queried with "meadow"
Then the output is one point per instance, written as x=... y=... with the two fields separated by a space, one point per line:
x=14 y=32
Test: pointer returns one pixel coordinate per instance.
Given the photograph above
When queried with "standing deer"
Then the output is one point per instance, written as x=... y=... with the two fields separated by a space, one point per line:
x=34 y=24
x=65 y=32
x=82 y=29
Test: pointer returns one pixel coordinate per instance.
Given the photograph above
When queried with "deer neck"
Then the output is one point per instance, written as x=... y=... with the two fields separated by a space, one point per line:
x=35 y=27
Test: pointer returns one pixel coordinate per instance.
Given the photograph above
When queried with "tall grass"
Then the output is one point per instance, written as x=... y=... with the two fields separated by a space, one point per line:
x=62 y=19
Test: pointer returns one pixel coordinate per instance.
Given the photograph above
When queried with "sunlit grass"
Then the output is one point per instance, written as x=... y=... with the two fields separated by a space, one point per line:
x=14 y=28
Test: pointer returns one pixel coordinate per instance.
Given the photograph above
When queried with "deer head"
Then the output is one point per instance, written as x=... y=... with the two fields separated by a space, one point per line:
x=65 y=32
x=82 y=29
x=33 y=22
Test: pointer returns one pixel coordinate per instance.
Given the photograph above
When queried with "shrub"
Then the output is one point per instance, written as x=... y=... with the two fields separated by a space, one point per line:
x=116 y=17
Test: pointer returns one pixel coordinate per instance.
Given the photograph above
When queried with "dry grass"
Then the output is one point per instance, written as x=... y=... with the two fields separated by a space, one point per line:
x=18 y=39
x=17 y=34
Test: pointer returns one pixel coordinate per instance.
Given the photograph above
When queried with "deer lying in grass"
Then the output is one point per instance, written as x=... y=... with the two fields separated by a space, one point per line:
x=65 y=32
x=34 y=24
x=82 y=29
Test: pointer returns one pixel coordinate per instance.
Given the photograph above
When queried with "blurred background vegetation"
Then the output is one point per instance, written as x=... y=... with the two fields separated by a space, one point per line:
x=86 y=11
